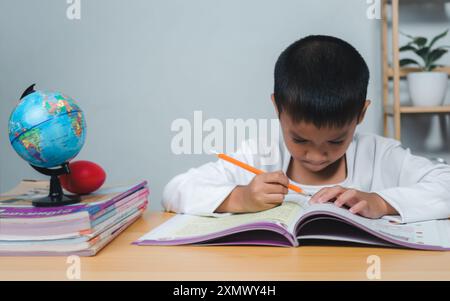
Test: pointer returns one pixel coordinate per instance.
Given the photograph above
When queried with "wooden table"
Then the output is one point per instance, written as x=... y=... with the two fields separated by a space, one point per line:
x=122 y=261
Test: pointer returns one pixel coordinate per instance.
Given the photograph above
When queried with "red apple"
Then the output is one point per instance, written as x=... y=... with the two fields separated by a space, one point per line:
x=85 y=177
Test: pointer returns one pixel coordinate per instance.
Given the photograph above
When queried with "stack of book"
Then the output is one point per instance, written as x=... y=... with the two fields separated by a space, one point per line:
x=80 y=229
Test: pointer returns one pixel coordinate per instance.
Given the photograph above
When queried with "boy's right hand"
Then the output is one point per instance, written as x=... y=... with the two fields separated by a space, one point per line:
x=264 y=192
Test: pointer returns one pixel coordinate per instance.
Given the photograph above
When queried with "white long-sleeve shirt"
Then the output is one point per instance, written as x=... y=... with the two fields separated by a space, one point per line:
x=416 y=187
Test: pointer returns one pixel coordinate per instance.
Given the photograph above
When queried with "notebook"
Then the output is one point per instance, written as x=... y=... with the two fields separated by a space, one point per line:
x=296 y=223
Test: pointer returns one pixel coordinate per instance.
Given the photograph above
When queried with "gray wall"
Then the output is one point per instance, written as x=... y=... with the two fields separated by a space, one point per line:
x=135 y=66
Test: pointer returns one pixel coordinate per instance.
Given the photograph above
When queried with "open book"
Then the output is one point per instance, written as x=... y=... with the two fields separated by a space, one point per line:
x=296 y=222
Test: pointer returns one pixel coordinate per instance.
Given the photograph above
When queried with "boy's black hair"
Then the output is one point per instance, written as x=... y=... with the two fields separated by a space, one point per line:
x=321 y=79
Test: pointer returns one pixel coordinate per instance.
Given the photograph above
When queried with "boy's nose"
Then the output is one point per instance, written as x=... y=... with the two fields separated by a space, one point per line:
x=315 y=158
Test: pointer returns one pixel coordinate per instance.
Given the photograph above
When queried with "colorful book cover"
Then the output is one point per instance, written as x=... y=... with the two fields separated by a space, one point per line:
x=18 y=202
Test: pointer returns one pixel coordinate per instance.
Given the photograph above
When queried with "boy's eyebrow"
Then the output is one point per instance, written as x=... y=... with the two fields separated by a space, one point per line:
x=296 y=136
x=341 y=136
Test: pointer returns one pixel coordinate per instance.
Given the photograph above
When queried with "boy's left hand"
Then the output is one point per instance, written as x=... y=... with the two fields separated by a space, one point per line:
x=367 y=204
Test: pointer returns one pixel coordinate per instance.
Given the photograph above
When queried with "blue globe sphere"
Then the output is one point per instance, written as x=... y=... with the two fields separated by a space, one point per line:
x=47 y=129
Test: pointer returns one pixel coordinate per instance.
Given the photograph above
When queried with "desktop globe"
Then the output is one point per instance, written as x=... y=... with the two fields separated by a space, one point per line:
x=48 y=129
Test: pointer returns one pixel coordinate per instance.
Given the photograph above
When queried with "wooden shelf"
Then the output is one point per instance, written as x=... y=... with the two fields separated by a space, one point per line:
x=393 y=73
x=405 y=71
x=417 y=110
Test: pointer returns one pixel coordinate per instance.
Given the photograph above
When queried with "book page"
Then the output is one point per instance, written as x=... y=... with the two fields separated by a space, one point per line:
x=431 y=233
x=182 y=226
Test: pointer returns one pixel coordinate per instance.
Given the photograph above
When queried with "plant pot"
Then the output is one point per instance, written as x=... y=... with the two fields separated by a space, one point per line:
x=427 y=88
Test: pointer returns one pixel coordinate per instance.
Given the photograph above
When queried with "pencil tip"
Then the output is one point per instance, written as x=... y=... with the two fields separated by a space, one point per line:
x=214 y=151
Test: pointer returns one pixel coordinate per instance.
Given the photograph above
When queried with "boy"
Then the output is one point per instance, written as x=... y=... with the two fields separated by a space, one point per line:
x=320 y=97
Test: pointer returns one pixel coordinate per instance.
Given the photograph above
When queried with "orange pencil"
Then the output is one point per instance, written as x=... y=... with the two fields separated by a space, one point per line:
x=255 y=170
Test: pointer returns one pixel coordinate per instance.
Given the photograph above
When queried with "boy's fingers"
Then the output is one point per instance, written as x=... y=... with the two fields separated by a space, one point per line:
x=275 y=198
x=318 y=194
x=329 y=194
x=348 y=197
x=275 y=189
x=268 y=206
x=276 y=177
x=358 y=207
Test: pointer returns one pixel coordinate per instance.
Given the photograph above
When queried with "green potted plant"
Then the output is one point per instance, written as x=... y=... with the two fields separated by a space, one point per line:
x=426 y=87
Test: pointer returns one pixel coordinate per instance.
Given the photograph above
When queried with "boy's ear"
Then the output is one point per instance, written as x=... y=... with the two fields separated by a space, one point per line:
x=274 y=104
x=364 y=110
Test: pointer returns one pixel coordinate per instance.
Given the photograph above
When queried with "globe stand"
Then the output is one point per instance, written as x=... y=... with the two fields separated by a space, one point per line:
x=56 y=196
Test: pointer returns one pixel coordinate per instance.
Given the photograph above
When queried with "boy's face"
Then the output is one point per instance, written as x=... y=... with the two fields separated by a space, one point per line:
x=316 y=149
